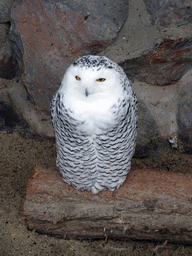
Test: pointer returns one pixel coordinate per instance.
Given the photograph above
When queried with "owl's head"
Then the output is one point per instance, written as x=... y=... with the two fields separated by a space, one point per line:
x=93 y=78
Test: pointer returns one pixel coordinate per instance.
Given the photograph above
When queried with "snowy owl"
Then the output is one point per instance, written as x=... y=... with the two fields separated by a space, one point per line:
x=94 y=116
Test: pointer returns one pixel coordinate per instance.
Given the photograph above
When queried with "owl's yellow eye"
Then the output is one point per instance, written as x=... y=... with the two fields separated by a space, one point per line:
x=78 y=78
x=101 y=79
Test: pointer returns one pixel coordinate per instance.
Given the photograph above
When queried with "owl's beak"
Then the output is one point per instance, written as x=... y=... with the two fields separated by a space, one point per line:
x=86 y=92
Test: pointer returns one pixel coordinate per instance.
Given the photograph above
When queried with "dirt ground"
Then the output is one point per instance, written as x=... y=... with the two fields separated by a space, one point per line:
x=19 y=156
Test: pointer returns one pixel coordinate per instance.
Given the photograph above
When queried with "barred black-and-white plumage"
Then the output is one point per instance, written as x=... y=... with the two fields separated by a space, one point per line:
x=94 y=115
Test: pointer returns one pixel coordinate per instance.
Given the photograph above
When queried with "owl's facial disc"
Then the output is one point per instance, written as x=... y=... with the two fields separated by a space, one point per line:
x=86 y=89
x=91 y=84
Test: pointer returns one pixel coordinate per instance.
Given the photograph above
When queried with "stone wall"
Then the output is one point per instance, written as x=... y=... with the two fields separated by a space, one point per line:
x=151 y=40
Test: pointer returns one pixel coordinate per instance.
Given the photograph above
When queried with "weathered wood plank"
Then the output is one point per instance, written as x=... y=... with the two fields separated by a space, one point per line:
x=152 y=204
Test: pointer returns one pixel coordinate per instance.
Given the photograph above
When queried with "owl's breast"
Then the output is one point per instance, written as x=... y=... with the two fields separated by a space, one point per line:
x=93 y=116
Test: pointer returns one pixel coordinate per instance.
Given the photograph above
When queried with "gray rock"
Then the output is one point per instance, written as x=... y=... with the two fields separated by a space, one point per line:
x=149 y=141
x=165 y=13
x=55 y=33
x=185 y=124
x=5 y=10
x=165 y=64
x=8 y=64
x=184 y=114
x=4 y=30
x=7 y=61
x=105 y=18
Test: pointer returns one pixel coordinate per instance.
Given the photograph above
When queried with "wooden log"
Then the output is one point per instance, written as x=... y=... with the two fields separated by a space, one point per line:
x=152 y=205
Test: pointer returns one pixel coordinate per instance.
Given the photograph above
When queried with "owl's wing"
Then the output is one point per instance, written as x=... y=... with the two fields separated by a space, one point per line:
x=135 y=104
x=130 y=96
x=53 y=106
x=134 y=110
